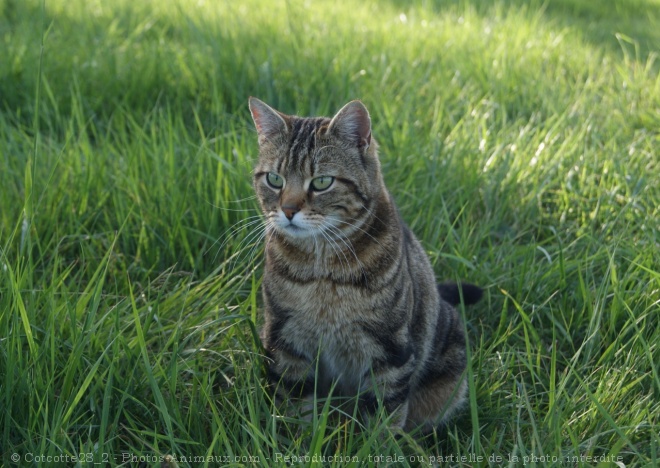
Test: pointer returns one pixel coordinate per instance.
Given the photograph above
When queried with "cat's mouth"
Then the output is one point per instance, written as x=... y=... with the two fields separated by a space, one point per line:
x=299 y=227
x=293 y=230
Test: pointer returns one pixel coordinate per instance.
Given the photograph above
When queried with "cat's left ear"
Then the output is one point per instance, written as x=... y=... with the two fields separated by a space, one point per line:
x=352 y=123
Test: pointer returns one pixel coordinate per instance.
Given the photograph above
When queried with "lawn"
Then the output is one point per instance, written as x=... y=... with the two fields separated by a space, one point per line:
x=520 y=139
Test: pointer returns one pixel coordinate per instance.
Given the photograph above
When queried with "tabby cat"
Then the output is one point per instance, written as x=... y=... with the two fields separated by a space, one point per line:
x=350 y=298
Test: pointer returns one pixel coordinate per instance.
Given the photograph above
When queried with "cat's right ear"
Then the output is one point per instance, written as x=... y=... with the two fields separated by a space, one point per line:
x=269 y=122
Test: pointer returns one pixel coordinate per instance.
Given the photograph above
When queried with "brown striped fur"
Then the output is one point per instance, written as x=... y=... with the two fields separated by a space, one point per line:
x=350 y=297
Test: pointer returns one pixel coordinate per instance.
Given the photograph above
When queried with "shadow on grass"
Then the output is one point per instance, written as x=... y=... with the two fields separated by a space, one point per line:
x=133 y=58
x=136 y=59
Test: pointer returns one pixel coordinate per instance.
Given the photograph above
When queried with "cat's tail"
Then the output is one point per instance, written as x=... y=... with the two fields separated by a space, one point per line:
x=452 y=293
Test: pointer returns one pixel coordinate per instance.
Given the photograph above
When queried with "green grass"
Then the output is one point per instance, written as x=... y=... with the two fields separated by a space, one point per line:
x=521 y=141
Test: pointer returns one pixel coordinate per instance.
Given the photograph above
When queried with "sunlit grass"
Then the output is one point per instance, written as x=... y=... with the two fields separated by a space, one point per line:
x=519 y=139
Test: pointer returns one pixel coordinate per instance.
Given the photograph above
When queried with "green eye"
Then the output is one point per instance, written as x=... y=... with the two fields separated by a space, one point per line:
x=322 y=183
x=274 y=180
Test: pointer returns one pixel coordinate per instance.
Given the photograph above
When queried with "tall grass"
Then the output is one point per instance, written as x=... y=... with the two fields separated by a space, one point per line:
x=520 y=139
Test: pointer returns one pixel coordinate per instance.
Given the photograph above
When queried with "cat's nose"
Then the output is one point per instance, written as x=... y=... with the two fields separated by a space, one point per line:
x=290 y=211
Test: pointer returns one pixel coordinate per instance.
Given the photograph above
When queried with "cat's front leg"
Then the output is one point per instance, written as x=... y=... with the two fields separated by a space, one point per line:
x=291 y=375
x=389 y=389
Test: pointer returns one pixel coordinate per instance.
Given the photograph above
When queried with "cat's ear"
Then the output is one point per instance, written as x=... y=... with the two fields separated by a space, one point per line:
x=268 y=121
x=352 y=123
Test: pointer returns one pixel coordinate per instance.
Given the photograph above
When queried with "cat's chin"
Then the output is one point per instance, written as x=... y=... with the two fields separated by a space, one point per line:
x=295 y=232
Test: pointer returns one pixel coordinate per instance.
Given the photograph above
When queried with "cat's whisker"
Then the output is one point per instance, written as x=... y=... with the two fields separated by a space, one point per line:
x=258 y=244
x=358 y=228
x=371 y=213
x=337 y=250
x=237 y=210
x=233 y=230
x=271 y=227
x=330 y=243
x=228 y=237
x=240 y=200
x=268 y=228
x=248 y=241
x=341 y=236
x=365 y=232
x=245 y=260
x=253 y=197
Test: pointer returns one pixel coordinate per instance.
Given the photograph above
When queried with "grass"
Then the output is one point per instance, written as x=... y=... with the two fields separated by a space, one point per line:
x=520 y=139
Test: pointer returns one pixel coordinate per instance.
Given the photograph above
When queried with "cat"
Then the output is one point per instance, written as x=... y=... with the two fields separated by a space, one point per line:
x=350 y=298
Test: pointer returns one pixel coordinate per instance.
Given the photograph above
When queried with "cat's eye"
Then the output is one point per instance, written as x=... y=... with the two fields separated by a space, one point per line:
x=274 y=180
x=322 y=183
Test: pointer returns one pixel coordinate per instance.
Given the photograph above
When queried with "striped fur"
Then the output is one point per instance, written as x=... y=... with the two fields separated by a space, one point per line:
x=350 y=298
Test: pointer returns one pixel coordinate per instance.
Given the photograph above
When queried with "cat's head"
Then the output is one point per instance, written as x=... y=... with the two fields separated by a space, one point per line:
x=315 y=177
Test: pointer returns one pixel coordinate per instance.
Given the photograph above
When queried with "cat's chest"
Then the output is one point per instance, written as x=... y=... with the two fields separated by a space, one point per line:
x=327 y=306
x=327 y=319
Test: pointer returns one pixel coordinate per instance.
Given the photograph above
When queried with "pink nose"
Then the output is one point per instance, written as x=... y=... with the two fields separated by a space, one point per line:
x=290 y=211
